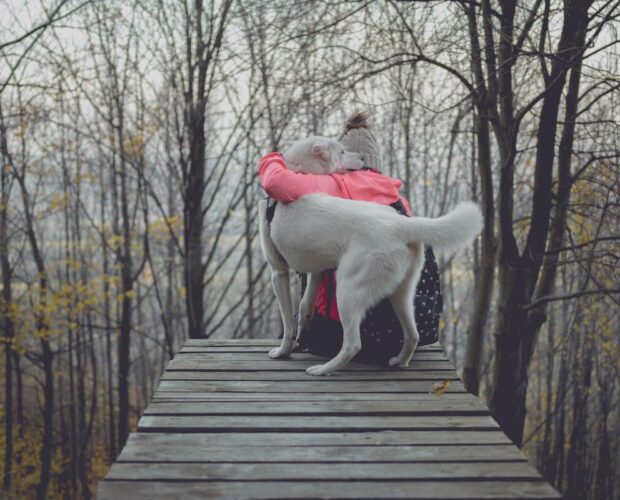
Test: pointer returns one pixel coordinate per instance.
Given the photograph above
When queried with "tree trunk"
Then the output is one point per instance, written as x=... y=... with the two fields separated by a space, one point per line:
x=507 y=401
x=515 y=329
x=201 y=67
x=48 y=421
x=195 y=183
x=194 y=272
x=47 y=357
x=582 y=378
x=124 y=255
x=484 y=288
x=8 y=390
x=124 y=340
x=6 y=312
x=20 y=393
x=557 y=465
x=484 y=282
x=107 y=324
x=549 y=402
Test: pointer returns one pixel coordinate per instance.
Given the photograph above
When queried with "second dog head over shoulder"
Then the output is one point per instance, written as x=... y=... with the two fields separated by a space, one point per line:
x=320 y=155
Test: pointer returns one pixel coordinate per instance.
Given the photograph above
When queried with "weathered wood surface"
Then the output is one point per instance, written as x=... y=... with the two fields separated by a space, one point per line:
x=227 y=422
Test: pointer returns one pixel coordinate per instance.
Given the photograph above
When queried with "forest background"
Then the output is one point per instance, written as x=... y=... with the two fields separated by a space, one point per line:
x=129 y=137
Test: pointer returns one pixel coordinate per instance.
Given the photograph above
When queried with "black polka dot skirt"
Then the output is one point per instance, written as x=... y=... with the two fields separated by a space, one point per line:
x=381 y=332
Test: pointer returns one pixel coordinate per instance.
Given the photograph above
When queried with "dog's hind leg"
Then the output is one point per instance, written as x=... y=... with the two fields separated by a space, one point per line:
x=360 y=284
x=282 y=289
x=305 y=307
x=351 y=314
x=403 y=304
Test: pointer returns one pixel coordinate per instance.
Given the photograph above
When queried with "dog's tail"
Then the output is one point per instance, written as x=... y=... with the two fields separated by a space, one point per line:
x=449 y=232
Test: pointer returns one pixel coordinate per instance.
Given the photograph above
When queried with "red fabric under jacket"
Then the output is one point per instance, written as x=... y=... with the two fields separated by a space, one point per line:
x=285 y=186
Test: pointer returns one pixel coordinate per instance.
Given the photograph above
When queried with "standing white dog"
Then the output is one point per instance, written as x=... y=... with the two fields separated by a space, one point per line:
x=377 y=252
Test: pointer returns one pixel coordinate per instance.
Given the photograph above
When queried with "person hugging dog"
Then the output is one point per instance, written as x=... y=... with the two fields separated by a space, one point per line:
x=381 y=333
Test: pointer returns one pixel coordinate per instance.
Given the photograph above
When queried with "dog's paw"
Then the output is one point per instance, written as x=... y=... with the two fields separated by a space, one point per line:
x=398 y=362
x=317 y=370
x=278 y=352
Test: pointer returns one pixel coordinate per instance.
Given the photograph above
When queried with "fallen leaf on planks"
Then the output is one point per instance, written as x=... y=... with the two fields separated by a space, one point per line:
x=441 y=387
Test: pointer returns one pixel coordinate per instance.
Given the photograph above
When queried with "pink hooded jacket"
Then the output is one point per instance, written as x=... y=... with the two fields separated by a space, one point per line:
x=285 y=186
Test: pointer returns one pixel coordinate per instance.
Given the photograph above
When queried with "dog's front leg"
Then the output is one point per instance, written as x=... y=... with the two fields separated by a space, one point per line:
x=305 y=307
x=282 y=289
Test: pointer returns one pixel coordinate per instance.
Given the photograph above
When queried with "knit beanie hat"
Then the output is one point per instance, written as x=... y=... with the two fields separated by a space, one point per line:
x=357 y=138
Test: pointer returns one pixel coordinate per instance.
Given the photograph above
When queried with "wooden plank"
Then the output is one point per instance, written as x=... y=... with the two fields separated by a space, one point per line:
x=431 y=490
x=222 y=348
x=321 y=471
x=189 y=397
x=359 y=408
x=262 y=356
x=261 y=342
x=234 y=348
x=301 y=376
x=183 y=397
x=148 y=446
x=231 y=342
x=328 y=423
x=296 y=356
x=183 y=363
x=283 y=452
x=317 y=384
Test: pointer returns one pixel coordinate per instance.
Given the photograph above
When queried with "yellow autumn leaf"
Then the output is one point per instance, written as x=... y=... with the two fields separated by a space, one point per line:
x=441 y=387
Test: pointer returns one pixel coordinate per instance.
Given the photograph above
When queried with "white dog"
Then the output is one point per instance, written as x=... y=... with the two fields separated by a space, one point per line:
x=377 y=252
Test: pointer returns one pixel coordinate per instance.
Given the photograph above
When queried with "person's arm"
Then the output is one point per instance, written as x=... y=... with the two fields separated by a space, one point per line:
x=284 y=185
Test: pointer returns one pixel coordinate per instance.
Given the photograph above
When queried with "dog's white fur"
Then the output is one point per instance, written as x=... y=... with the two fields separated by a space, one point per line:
x=320 y=155
x=377 y=252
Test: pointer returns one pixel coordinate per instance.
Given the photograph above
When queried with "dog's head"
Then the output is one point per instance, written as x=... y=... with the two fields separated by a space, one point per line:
x=320 y=155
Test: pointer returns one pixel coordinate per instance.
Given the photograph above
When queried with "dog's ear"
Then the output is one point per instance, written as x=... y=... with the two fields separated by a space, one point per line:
x=321 y=149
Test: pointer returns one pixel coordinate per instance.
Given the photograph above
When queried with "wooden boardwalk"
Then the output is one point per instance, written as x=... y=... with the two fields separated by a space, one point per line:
x=228 y=422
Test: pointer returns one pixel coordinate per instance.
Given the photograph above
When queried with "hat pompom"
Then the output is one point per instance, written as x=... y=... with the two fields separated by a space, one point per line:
x=360 y=119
